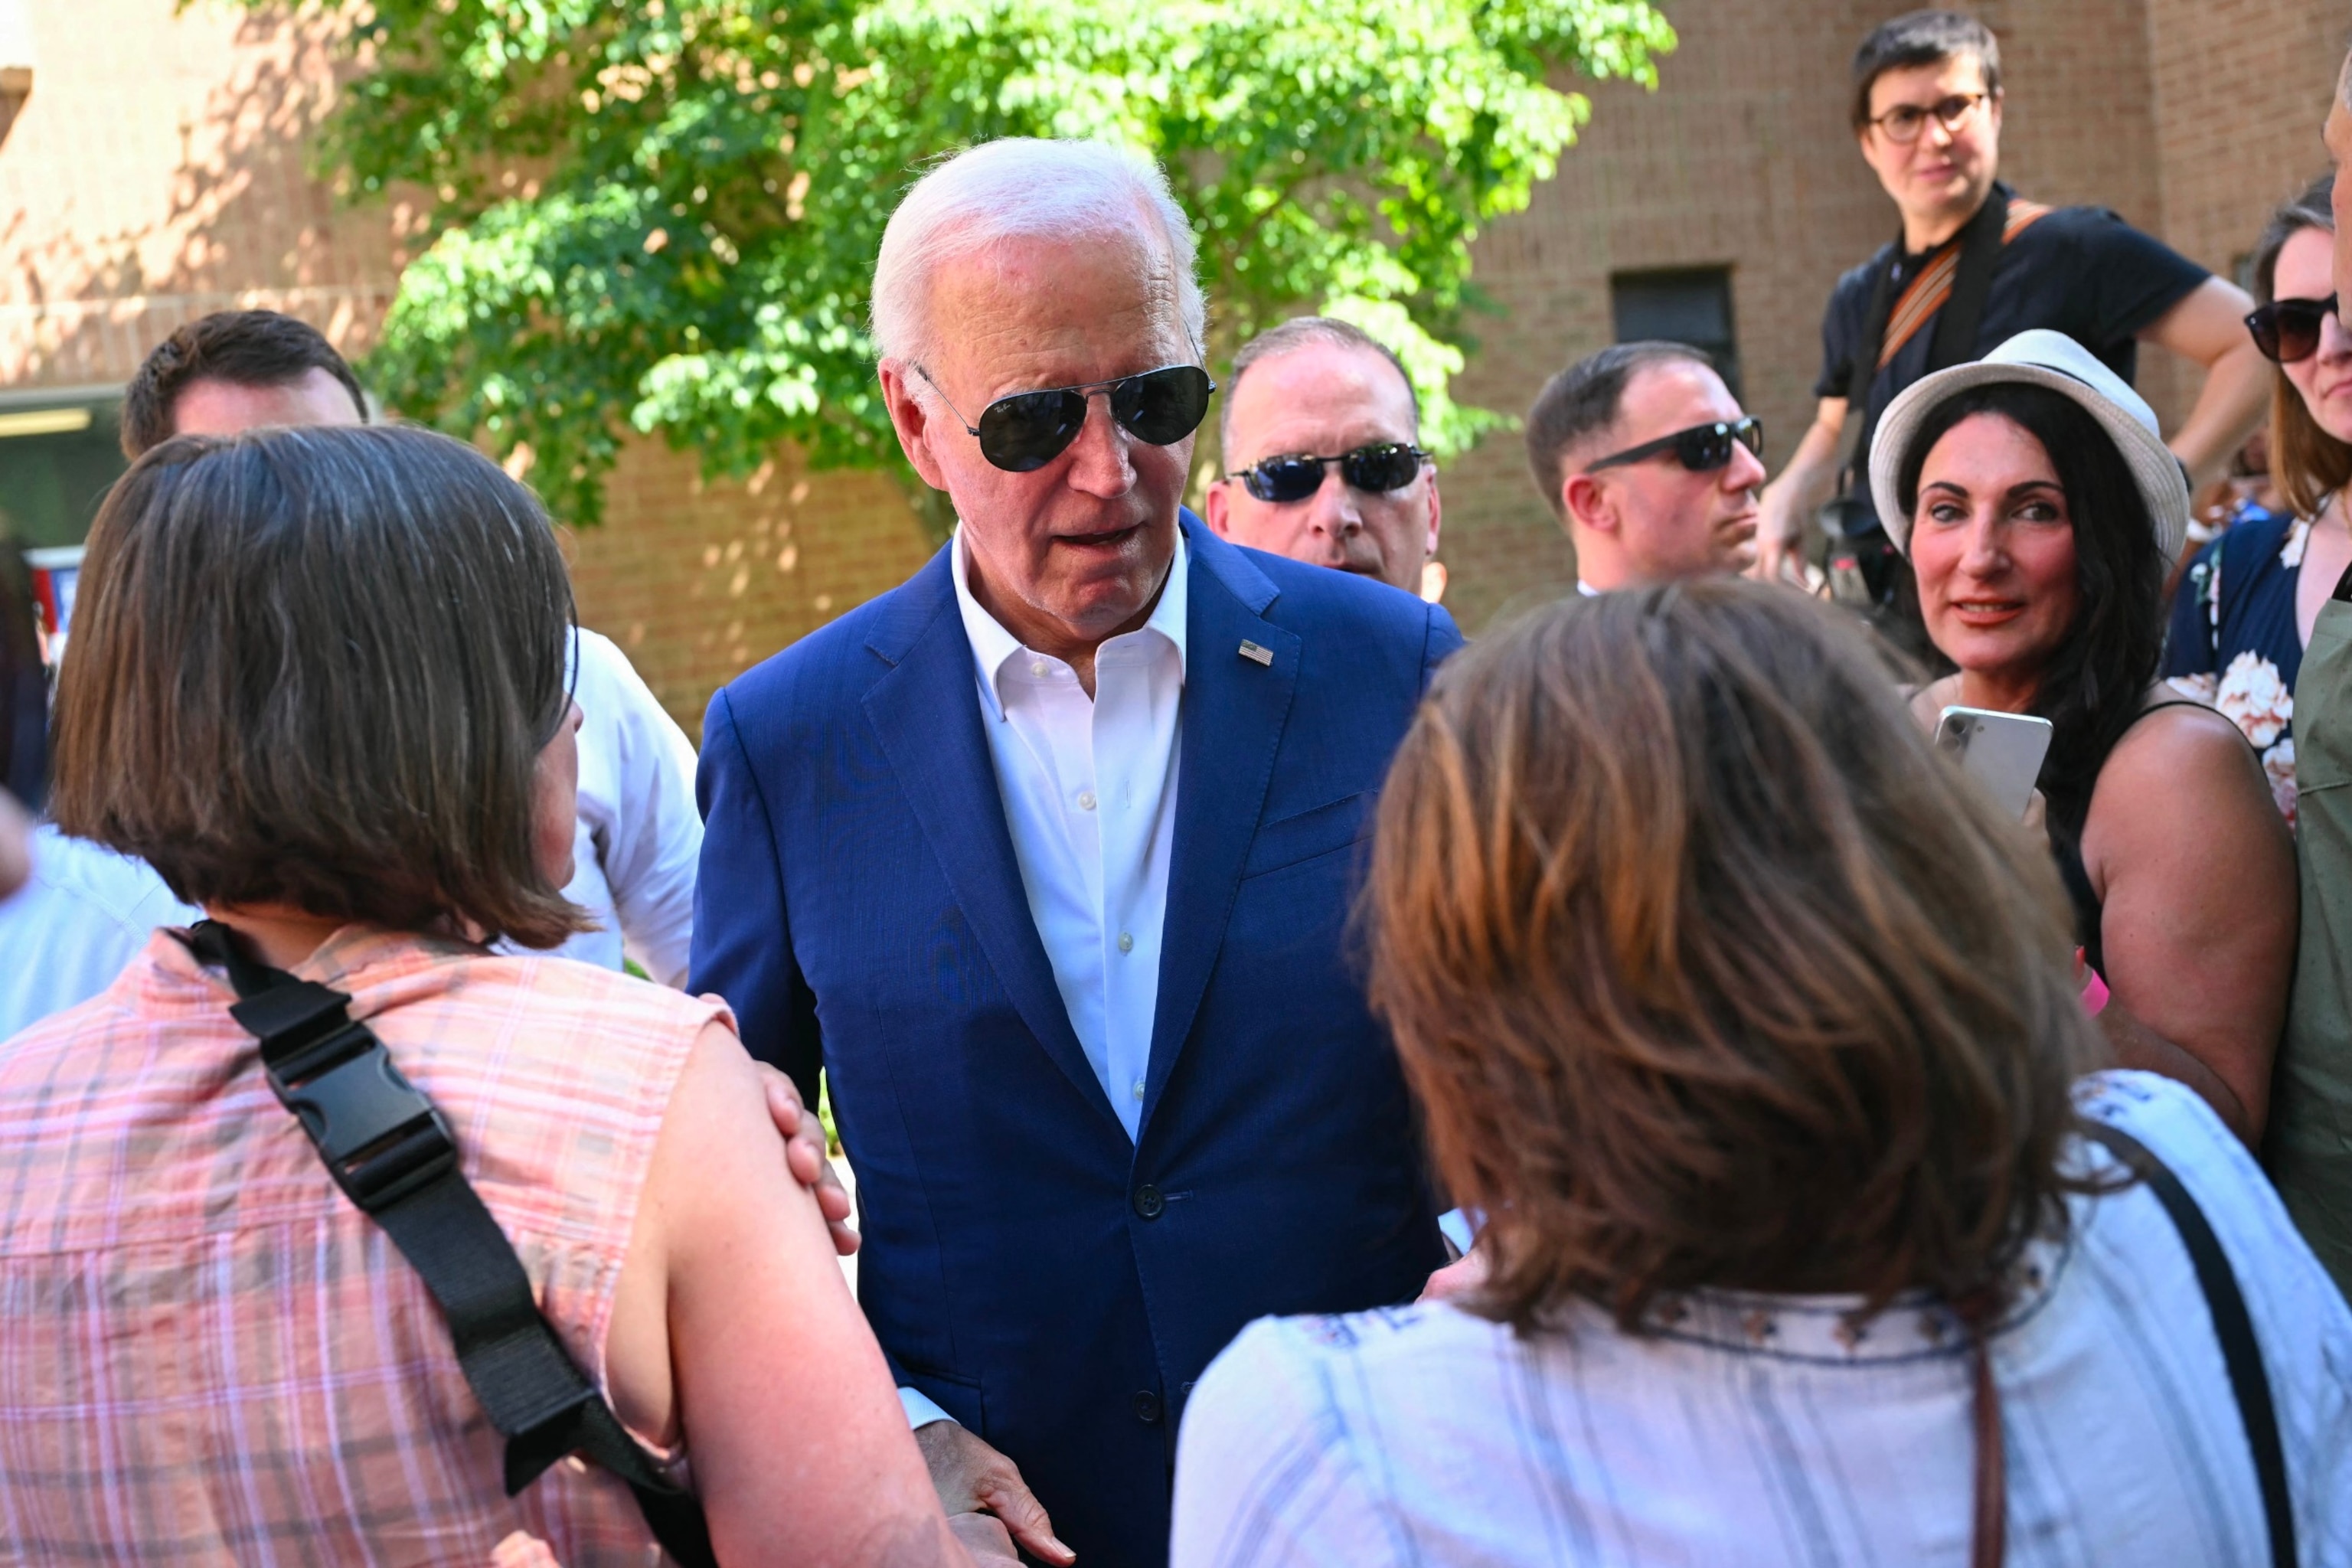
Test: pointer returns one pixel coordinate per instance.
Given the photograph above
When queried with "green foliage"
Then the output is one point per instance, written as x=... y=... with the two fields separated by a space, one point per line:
x=661 y=215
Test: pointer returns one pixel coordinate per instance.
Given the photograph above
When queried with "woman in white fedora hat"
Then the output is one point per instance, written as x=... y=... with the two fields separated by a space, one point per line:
x=2039 y=508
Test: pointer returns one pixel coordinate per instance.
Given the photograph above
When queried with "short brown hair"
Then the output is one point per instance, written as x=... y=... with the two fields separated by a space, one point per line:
x=1585 y=399
x=244 y=348
x=2307 y=464
x=1296 y=333
x=1921 y=38
x=316 y=667
x=1710 y=971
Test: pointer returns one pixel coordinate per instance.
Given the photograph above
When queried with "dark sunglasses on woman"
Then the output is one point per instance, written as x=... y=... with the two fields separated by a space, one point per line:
x=2286 y=331
x=1702 y=448
x=1024 y=432
x=1375 y=470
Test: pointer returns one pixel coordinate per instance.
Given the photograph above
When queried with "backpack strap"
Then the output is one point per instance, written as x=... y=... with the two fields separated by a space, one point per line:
x=390 y=1150
x=2233 y=1325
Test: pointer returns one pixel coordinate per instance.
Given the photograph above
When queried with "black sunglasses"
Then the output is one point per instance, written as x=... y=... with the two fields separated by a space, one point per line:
x=2288 y=329
x=1702 y=448
x=1375 y=470
x=1024 y=432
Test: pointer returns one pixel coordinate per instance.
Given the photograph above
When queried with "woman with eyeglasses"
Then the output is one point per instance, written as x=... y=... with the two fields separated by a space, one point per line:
x=2038 y=507
x=2246 y=608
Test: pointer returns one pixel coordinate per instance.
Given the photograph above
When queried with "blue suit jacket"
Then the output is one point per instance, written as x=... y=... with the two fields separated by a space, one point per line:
x=1055 y=1288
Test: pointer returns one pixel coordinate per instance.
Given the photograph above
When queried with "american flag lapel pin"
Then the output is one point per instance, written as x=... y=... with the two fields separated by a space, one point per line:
x=1256 y=654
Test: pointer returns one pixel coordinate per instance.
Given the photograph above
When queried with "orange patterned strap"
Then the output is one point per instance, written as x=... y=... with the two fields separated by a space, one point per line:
x=1918 y=303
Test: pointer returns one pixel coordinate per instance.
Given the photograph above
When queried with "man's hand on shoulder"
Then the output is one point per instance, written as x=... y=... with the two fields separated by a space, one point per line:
x=973 y=1478
x=804 y=1155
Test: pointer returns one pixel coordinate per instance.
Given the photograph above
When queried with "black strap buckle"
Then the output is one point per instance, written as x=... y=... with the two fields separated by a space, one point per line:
x=380 y=1137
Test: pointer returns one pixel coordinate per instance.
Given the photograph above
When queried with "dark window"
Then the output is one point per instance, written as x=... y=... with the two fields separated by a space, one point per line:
x=1691 y=305
x=57 y=459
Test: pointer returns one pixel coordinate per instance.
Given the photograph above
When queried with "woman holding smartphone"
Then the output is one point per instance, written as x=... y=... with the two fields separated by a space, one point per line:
x=2247 y=604
x=2039 y=507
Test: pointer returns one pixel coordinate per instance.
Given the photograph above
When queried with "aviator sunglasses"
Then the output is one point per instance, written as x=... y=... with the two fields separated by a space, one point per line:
x=1375 y=470
x=1024 y=432
x=1702 y=448
x=2286 y=331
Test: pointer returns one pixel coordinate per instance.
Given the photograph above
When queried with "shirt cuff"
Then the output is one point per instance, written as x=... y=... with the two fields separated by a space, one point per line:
x=920 y=1411
x=1458 y=1228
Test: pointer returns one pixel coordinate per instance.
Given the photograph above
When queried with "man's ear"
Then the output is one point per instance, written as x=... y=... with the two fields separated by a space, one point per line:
x=1437 y=511
x=911 y=418
x=1216 y=508
x=1587 y=502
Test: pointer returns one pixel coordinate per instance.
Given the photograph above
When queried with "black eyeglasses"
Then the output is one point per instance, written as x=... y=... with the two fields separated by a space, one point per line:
x=1902 y=123
x=1702 y=448
x=1024 y=432
x=2286 y=331
x=1375 y=470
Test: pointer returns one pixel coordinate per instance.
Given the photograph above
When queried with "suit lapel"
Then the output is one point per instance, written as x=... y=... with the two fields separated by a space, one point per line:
x=926 y=710
x=1234 y=710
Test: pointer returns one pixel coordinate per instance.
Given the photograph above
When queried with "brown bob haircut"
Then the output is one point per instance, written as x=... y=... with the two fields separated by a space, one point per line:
x=316 y=667
x=1710 y=971
x=2307 y=464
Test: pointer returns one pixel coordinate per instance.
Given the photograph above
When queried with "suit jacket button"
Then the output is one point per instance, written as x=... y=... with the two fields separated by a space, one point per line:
x=1149 y=1204
x=1147 y=1407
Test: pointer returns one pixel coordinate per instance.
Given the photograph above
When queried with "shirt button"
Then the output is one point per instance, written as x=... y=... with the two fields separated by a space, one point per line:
x=1086 y=800
x=1148 y=1203
x=1147 y=1408
x=1139 y=1088
x=1037 y=666
x=1126 y=942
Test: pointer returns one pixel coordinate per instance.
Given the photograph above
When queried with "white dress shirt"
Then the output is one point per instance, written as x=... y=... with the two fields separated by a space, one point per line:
x=1089 y=792
x=639 y=838
x=83 y=914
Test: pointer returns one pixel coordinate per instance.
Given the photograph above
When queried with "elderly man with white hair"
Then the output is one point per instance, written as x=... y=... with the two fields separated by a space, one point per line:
x=1046 y=858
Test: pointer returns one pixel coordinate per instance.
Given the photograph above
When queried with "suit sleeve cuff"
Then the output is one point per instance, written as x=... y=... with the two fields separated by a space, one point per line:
x=920 y=1410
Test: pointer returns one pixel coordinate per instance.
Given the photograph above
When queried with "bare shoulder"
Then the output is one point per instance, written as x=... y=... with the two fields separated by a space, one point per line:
x=2180 y=743
x=2184 y=762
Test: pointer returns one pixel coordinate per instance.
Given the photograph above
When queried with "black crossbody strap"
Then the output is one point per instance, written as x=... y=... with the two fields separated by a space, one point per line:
x=1955 y=341
x=390 y=1150
x=1865 y=366
x=2233 y=1325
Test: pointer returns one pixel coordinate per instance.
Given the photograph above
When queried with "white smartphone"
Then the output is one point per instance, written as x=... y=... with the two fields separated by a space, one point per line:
x=2002 y=751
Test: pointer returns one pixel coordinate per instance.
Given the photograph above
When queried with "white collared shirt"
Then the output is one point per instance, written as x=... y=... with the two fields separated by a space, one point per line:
x=1090 y=794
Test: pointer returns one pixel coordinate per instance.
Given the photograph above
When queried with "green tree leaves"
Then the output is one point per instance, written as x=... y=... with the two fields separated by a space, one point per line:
x=661 y=215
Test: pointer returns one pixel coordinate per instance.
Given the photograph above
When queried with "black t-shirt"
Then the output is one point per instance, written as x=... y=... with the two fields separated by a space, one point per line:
x=2079 y=271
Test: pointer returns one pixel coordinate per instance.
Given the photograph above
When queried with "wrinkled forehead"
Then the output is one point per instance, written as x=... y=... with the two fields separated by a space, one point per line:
x=1037 y=310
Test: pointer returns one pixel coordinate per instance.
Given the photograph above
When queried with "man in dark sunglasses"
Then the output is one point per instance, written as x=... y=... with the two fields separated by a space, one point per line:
x=1046 y=858
x=1973 y=265
x=1650 y=464
x=1321 y=432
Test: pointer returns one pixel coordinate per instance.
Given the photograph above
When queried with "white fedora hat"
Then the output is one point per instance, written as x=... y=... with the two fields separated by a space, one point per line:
x=2041 y=358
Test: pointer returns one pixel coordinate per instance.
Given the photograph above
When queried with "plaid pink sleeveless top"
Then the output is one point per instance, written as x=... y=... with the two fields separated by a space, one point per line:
x=208 y=1356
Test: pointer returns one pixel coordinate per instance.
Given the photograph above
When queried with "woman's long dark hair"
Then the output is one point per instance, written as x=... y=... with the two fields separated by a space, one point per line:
x=2098 y=681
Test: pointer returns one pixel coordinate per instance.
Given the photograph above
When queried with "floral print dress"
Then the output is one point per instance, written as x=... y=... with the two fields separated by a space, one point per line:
x=2233 y=641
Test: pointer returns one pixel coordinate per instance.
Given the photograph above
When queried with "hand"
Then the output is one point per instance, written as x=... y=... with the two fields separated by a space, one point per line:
x=2037 y=813
x=1780 y=537
x=15 y=845
x=970 y=1476
x=805 y=1156
x=982 y=1536
x=1465 y=1273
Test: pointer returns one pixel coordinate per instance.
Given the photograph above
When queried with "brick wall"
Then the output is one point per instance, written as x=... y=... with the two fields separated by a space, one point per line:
x=159 y=170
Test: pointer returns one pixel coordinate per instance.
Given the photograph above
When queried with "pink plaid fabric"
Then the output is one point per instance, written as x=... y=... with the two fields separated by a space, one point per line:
x=207 y=1355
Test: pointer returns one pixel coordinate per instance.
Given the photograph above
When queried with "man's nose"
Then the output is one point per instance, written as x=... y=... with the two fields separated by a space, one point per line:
x=1335 y=505
x=1936 y=133
x=1100 y=463
x=1745 y=471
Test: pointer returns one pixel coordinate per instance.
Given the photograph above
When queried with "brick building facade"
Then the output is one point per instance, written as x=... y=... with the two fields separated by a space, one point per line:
x=154 y=166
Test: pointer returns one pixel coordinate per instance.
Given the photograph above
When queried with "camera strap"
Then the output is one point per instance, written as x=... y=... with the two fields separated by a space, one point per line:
x=390 y=1150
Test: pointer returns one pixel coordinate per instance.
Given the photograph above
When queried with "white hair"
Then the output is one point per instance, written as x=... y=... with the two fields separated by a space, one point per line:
x=1024 y=188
